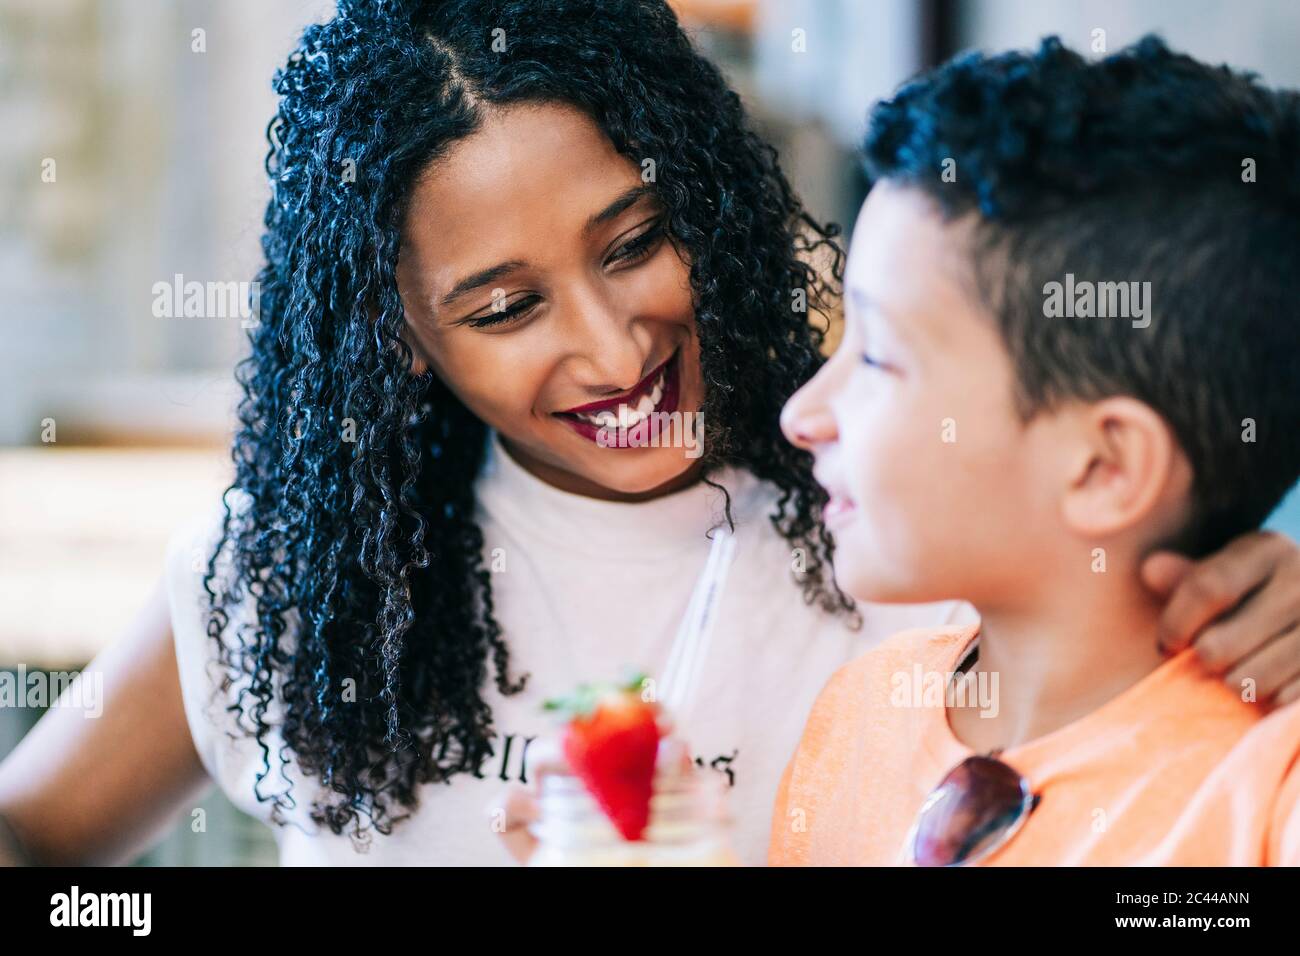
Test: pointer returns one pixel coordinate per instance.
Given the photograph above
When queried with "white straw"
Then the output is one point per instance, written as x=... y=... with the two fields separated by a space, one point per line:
x=681 y=675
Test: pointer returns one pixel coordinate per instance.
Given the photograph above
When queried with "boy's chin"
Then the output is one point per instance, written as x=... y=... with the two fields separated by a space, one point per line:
x=863 y=581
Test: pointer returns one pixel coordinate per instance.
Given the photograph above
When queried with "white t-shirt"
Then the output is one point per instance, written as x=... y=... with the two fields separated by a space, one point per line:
x=584 y=589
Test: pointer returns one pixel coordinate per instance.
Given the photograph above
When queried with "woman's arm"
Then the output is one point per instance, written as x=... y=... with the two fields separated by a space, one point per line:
x=97 y=790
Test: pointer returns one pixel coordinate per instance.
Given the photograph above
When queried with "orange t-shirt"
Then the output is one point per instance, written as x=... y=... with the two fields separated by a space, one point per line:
x=1175 y=771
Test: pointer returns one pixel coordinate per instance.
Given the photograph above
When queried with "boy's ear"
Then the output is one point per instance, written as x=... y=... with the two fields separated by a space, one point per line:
x=1128 y=469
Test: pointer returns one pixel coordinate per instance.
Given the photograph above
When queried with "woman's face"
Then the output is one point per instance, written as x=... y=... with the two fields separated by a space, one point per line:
x=540 y=286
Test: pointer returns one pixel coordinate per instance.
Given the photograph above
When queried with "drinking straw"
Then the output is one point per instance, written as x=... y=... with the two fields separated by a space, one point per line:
x=681 y=675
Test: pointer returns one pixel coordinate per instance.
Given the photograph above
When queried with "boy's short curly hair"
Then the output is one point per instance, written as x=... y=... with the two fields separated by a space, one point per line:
x=1145 y=166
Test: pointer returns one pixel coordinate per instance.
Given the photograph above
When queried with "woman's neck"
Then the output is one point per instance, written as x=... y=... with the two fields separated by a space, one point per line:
x=575 y=484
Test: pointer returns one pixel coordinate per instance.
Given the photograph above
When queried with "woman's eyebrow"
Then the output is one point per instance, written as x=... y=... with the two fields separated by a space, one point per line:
x=619 y=205
x=481 y=278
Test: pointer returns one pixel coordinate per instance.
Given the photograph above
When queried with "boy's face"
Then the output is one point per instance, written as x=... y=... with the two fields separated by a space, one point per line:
x=938 y=490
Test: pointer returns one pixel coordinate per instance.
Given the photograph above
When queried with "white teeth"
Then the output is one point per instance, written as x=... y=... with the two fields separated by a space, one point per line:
x=628 y=417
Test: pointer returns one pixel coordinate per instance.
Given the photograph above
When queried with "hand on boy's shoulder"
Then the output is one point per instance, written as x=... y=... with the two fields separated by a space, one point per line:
x=1239 y=609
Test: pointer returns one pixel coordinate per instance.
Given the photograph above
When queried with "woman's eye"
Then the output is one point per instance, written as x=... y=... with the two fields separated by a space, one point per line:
x=640 y=246
x=511 y=312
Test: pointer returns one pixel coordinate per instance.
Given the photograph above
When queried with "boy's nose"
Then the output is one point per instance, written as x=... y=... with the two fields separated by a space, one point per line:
x=806 y=422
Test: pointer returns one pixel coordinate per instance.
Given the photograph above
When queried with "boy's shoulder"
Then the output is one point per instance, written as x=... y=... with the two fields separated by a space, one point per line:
x=865 y=685
x=852 y=731
x=1267 y=756
x=933 y=649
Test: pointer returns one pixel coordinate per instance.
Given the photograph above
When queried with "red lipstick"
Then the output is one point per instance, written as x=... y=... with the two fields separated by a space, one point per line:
x=579 y=417
x=631 y=398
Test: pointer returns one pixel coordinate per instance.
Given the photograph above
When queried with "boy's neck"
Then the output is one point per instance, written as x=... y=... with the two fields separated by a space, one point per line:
x=1079 y=645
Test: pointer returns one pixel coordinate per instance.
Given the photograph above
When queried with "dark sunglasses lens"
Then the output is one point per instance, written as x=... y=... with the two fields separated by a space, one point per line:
x=974 y=806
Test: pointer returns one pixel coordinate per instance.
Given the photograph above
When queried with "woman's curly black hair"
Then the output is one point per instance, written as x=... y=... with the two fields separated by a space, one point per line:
x=356 y=539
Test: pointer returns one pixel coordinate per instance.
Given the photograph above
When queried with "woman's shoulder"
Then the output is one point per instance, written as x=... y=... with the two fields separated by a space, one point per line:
x=212 y=686
x=196 y=583
x=189 y=548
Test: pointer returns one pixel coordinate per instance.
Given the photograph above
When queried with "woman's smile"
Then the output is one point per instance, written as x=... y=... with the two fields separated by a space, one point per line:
x=657 y=393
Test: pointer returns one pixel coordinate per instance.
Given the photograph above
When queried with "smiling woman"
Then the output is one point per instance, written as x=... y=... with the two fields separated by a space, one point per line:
x=584 y=308
x=559 y=225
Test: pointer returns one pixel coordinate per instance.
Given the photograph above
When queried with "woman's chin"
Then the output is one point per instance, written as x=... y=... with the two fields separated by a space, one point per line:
x=643 y=472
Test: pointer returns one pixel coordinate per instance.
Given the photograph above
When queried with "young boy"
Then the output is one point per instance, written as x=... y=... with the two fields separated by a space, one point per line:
x=1072 y=337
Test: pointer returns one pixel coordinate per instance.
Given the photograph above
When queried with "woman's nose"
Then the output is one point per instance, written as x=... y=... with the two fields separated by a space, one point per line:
x=616 y=349
x=615 y=364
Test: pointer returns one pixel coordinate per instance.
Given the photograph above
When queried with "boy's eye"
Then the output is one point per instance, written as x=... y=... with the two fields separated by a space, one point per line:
x=873 y=362
x=639 y=246
x=513 y=311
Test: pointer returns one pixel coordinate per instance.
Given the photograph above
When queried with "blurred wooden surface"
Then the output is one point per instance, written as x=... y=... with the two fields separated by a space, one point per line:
x=82 y=537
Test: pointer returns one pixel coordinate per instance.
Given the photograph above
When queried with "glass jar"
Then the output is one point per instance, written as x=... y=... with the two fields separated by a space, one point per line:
x=688 y=825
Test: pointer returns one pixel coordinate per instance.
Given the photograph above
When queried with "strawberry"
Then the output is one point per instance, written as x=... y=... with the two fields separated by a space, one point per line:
x=611 y=741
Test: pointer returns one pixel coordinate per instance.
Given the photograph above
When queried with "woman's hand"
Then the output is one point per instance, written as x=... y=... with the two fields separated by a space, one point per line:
x=515 y=809
x=518 y=804
x=1240 y=610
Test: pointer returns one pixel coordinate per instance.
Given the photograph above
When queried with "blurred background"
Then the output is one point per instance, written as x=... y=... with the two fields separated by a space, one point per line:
x=132 y=150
